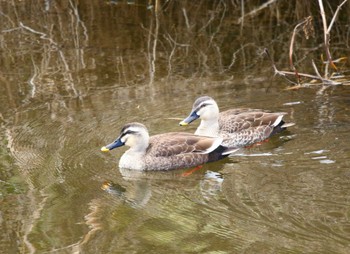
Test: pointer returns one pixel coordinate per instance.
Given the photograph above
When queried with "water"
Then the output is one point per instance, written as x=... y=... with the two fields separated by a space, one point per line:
x=60 y=194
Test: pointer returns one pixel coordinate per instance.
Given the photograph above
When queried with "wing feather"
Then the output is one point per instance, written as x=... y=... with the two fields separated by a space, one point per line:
x=237 y=119
x=175 y=143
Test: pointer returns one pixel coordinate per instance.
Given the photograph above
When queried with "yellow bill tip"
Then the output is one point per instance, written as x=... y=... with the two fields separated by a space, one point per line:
x=182 y=123
x=104 y=149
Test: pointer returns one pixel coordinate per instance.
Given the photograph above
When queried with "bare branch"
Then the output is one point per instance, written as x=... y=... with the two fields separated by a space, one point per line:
x=292 y=46
x=186 y=18
x=285 y=73
x=326 y=38
x=315 y=68
x=335 y=16
x=275 y=68
x=255 y=11
x=242 y=17
x=42 y=35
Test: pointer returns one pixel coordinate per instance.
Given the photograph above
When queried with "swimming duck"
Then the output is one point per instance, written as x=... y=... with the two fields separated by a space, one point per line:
x=173 y=150
x=238 y=127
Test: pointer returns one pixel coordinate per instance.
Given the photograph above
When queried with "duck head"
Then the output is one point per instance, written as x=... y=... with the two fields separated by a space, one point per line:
x=134 y=135
x=204 y=108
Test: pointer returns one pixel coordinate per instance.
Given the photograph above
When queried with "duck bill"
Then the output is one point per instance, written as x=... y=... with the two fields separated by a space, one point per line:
x=113 y=145
x=193 y=116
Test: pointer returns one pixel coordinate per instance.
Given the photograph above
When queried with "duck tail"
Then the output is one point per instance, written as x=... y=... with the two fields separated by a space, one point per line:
x=286 y=125
x=220 y=153
x=281 y=127
x=228 y=151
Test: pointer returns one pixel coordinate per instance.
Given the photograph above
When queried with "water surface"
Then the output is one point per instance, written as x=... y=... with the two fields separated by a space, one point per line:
x=66 y=94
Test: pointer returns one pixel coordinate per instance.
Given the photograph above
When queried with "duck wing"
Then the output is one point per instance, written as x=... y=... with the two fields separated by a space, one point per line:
x=235 y=121
x=174 y=143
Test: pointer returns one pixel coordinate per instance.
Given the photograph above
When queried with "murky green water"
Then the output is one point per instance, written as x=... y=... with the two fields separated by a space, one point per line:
x=72 y=75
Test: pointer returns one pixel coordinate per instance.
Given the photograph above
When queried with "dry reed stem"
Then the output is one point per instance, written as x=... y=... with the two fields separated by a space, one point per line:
x=291 y=46
x=327 y=30
x=326 y=33
x=285 y=73
x=315 y=68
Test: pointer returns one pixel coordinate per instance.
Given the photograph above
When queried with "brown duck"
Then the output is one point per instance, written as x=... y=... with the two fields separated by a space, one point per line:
x=238 y=127
x=166 y=151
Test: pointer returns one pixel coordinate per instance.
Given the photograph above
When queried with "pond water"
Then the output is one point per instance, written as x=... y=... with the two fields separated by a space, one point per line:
x=73 y=74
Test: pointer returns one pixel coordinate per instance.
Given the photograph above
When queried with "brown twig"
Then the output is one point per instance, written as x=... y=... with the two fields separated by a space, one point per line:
x=285 y=73
x=275 y=68
x=291 y=46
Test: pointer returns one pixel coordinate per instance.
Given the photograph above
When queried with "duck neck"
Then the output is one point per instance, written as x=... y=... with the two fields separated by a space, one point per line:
x=132 y=159
x=138 y=144
x=208 y=128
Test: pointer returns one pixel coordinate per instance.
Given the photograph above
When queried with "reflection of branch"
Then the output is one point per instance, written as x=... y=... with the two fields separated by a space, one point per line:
x=242 y=17
x=34 y=218
x=152 y=54
x=218 y=27
x=61 y=54
x=186 y=18
x=92 y=220
x=173 y=46
x=234 y=54
x=80 y=54
x=256 y=10
x=31 y=81
x=42 y=35
x=212 y=17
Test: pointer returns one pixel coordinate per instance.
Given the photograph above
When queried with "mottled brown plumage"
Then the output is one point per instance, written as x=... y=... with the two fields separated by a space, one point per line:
x=166 y=151
x=238 y=127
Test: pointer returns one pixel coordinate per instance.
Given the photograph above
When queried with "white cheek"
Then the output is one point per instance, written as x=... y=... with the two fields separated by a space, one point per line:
x=130 y=140
x=205 y=113
x=200 y=112
x=124 y=139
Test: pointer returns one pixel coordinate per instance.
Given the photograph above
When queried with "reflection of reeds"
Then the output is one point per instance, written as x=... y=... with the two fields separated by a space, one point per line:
x=50 y=48
x=93 y=220
x=141 y=43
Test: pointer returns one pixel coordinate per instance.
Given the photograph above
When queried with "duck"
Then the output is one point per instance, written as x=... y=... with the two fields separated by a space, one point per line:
x=240 y=127
x=166 y=151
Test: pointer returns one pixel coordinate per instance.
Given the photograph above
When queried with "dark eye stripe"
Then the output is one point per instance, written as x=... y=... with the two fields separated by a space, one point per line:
x=202 y=106
x=129 y=132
